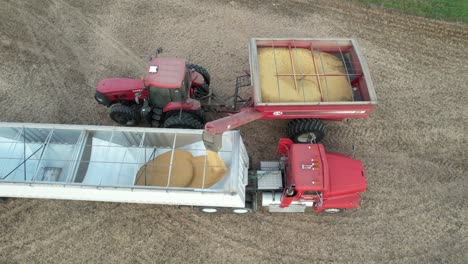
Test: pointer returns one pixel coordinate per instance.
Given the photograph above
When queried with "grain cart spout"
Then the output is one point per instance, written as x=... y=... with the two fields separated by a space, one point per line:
x=214 y=130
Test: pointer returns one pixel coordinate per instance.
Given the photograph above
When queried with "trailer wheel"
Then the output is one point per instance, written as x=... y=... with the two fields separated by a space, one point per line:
x=124 y=115
x=202 y=71
x=184 y=120
x=241 y=211
x=209 y=210
x=333 y=210
x=306 y=130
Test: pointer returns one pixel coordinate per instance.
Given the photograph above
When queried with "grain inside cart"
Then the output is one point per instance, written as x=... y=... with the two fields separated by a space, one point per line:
x=305 y=80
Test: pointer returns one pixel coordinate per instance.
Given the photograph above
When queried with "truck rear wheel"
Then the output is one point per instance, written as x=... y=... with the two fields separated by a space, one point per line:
x=124 y=115
x=241 y=211
x=202 y=71
x=184 y=120
x=306 y=130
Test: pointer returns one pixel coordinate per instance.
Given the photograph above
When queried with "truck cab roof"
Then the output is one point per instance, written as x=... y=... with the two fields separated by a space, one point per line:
x=313 y=169
x=307 y=166
x=167 y=73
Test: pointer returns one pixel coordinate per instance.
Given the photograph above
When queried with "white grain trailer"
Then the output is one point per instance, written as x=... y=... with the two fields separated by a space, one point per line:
x=100 y=163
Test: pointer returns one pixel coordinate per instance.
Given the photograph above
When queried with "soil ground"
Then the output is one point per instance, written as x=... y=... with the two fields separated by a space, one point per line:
x=54 y=52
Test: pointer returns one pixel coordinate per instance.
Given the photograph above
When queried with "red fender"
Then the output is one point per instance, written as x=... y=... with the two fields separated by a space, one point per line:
x=187 y=105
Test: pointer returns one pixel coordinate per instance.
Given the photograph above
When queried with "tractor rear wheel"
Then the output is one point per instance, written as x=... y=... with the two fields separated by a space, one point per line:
x=200 y=91
x=183 y=120
x=124 y=115
x=202 y=71
x=306 y=130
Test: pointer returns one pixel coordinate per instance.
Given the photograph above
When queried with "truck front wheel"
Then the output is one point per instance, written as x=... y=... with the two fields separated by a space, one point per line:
x=306 y=130
x=333 y=210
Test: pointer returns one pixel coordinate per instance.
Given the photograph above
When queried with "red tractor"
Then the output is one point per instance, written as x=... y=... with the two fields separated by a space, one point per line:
x=303 y=80
x=167 y=96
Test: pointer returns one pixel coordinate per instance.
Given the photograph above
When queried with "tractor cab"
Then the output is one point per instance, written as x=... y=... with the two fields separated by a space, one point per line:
x=168 y=80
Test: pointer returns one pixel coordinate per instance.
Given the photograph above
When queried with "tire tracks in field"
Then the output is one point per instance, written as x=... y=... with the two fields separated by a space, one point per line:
x=404 y=27
x=451 y=30
x=29 y=246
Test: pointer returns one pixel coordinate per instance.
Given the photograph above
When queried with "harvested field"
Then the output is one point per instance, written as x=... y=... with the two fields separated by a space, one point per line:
x=413 y=146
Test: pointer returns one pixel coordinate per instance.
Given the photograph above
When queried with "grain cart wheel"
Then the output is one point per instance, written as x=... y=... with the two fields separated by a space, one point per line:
x=333 y=210
x=201 y=71
x=124 y=115
x=183 y=120
x=306 y=130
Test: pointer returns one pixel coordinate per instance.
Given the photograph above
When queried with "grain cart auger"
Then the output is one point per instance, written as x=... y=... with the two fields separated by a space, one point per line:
x=305 y=80
x=169 y=95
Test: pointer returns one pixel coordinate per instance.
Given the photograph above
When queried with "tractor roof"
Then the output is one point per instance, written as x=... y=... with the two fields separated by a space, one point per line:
x=166 y=73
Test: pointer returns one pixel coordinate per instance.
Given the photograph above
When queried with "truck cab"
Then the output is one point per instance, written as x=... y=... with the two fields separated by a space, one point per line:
x=312 y=177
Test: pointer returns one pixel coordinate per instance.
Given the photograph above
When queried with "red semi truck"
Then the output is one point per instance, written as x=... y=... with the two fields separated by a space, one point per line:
x=99 y=163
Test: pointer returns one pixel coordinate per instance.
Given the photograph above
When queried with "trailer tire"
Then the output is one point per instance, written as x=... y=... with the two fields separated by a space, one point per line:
x=241 y=211
x=184 y=120
x=209 y=210
x=306 y=130
x=124 y=115
x=202 y=71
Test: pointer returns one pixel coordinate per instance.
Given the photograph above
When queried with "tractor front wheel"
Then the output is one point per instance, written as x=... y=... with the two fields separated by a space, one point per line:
x=202 y=71
x=124 y=115
x=183 y=120
x=306 y=130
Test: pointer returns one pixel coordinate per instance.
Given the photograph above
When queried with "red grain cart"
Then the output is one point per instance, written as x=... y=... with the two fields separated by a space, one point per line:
x=306 y=80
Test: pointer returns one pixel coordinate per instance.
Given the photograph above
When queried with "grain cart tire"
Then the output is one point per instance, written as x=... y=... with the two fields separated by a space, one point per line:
x=306 y=130
x=124 y=115
x=202 y=71
x=184 y=120
x=333 y=210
